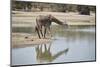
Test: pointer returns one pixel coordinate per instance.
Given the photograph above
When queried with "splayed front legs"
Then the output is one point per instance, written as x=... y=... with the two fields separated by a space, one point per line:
x=42 y=31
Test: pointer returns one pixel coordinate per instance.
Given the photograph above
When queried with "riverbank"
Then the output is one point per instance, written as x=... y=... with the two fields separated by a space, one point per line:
x=23 y=40
x=27 y=19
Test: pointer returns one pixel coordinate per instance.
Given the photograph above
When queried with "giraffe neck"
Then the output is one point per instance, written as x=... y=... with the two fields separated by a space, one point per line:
x=57 y=21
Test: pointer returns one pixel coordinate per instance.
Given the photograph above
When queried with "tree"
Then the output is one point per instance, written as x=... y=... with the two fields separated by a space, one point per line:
x=84 y=10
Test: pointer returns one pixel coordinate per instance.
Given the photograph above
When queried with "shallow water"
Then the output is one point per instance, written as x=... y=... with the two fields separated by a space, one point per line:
x=72 y=44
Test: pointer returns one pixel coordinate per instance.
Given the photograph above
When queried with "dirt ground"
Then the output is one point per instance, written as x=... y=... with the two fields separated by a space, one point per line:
x=23 y=40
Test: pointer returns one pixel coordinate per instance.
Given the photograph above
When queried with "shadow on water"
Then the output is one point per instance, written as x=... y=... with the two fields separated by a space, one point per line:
x=46 y=55
x=39 y=54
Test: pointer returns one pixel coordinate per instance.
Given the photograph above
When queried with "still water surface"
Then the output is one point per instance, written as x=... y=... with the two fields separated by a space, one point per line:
x=77 y=43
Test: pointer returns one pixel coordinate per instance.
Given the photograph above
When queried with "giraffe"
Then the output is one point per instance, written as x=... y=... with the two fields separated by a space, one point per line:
x=46 y=21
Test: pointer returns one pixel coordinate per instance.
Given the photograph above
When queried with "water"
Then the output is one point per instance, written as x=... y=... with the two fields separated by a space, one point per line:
x=76 y=43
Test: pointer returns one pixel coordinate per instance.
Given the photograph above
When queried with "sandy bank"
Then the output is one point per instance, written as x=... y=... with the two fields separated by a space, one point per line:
x=23 y=40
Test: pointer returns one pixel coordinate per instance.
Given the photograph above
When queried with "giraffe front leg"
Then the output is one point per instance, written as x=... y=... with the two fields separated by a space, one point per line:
x=37 y=30
x=45 y=30
x=39 y=34
x=41 y=31
x=49 y=30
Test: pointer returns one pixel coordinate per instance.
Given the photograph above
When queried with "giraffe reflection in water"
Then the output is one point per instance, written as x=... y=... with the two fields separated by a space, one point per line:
x=43 y=53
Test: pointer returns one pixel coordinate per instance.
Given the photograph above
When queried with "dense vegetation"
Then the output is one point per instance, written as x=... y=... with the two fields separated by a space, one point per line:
x=53 y=7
